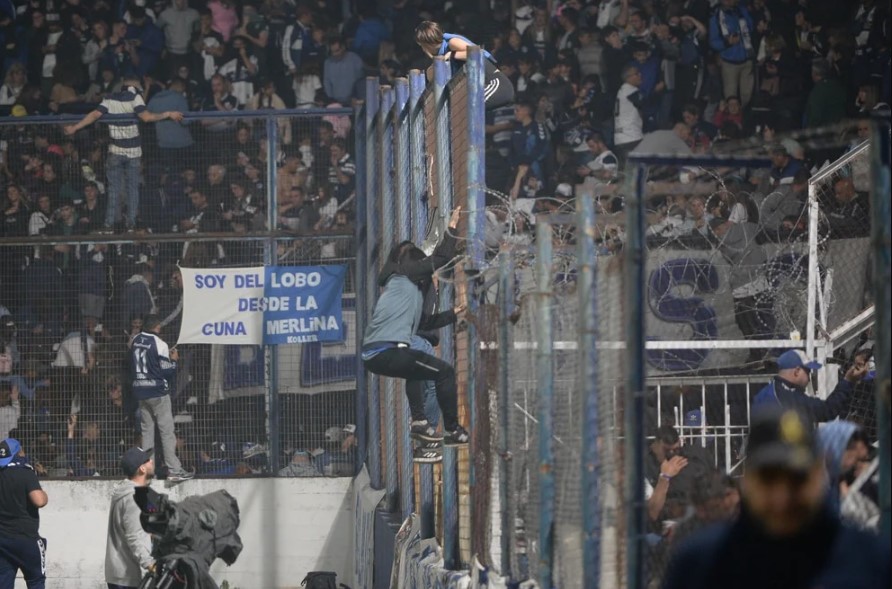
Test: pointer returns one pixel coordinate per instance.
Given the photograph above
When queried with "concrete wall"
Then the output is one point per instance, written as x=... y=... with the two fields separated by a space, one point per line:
x=289 y=526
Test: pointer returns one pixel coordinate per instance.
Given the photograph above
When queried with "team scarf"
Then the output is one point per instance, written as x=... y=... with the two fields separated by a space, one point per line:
x=744 y=29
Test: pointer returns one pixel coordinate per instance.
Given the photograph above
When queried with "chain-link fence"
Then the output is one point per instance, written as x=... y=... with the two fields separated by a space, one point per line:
x=92 y=245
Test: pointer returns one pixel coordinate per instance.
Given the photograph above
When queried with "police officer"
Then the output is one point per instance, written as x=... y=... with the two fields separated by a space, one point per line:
x=21 y=547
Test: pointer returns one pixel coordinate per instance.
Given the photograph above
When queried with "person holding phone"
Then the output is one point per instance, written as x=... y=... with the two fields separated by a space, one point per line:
x=398 y=316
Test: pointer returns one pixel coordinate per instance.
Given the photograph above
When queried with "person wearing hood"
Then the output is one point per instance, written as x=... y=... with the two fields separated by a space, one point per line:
x=397 y=317
x=128 y=548
x=787 y=534
x=846 y=450
x=787 y=388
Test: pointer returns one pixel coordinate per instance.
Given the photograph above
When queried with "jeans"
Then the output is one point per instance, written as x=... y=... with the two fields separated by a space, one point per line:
x=431 y=409
x=157 y=410
x=416 y=367
x=123 y=182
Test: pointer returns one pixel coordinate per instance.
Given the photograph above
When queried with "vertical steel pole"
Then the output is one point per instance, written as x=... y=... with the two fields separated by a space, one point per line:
x=880 y=237
x=373 y=251
x=388 y=213
x=813 y=281
x=506 y=498
x=361 y=277
x=271 y=362
x=545 y=383
x=417 y=159
x=588 y=387
x=402 y=189
x=442 y=74
x=635 y=373
x=418 y=221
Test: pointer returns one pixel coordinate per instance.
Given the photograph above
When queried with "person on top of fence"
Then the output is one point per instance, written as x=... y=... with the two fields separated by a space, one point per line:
x=498 y=89
x=125 y=149
x=397 y=317
x=787 y=389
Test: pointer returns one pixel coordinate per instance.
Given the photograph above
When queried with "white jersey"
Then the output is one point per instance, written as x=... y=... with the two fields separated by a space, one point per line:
x=626 y=118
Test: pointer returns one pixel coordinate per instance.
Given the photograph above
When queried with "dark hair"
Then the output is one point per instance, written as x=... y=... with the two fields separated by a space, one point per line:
x=405 y=251
x=693 y=108
x=666 y=434
x=151 y=322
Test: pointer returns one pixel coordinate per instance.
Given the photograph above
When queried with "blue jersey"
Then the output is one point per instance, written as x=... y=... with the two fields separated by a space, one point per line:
x=153 y=370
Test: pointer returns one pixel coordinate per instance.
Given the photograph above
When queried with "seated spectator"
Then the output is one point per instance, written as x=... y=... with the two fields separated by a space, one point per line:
x=105 y=85
x=10 y=408
x=87 y=451
x=342 y=172
x=301 y=465
x=702 y=132
x=243 y=210
x=783 y=202
x=16 y=212
x=266 y=99
x=42 y=217
x=729 y=111
x=783 y=170
x=291 y=174
x=13 y=83
x=220 y=100
x=91 y=213
x=850 y=217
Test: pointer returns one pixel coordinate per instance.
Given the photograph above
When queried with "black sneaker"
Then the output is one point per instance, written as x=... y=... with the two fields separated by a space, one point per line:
x=422 y=430
x=180 y=477
x=428 y=453
x=457 y=437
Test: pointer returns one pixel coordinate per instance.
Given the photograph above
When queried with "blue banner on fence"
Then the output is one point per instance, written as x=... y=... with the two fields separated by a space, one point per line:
x=303 y=304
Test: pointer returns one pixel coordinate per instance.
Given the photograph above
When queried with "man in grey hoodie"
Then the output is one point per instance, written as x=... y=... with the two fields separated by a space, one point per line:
x=398 y=316
x=127 y=552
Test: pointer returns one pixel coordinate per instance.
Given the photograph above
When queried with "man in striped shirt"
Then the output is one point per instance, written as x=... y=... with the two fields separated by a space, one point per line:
x=125 y=150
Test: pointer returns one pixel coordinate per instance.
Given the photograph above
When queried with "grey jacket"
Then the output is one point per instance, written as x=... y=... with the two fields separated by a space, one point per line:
x=398 y=313
x=127 y=551
x=739 y=247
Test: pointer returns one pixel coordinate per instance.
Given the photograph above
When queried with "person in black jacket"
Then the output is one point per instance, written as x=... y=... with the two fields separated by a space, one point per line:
x=787 y=536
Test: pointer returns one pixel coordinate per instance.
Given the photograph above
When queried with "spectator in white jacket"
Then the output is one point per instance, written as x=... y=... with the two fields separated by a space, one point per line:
x=10 y=409
x=127 y=551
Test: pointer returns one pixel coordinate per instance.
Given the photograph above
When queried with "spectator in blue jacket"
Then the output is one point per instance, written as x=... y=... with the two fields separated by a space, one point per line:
x=529 y=147
x=787 y=389
x=730 y=35
x=787 y=534
x=369 y=34
x=147 y=39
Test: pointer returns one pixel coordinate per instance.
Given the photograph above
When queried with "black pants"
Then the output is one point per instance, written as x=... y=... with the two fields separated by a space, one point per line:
x=25 y=554
x=498 y=89
x=416 y=367
x=755 y=318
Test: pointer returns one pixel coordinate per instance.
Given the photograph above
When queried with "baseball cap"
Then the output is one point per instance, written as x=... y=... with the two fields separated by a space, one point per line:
x=350 y=428
x=796 y=359
x=781 y=438
x=563 y=189
x=9 y=448
x=19 y=111
x=133 y=459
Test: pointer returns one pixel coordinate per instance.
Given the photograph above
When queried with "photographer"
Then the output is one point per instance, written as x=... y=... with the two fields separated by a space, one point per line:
x=127 y=551
x=21 y=547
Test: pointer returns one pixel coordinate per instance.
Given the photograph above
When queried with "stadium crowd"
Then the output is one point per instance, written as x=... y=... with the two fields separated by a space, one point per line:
x=595 y=81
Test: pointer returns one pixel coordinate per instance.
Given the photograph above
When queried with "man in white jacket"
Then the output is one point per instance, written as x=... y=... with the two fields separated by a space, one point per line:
x=127 y=552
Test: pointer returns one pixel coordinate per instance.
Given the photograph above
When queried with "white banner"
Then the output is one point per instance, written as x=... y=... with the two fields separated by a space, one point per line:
x=213 y=306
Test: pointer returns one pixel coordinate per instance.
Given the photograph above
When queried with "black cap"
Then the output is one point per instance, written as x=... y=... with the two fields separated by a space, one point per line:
x=781 y=438
x=133 y=459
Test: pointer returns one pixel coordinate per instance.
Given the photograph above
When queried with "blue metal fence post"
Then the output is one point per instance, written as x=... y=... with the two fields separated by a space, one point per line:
x=880 y=236
x=417 y=160
x=387 y=212
x=545 y=384
x=418 y=209
x=442 y=74
x=361 y=276
x=373 y=251
x=506 y=339
x=402 y=189
x=588 y=384
x=269 y=259
x=633 y=412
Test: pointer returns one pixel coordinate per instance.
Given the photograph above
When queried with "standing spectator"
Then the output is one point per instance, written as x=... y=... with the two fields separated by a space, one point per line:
x=297 y=40
x=752 y=294
x=145 y=42
x=850 y=217
x=224 y=17
x=528 y=150
x=93 y=50
x=604 y=166
x=690 y=66
x=342 y=173
x=208 y=46
x=627 y=121
x=730 y=35
x=590 y=54
x=613 y=59
x=54 y=47
x=91 y=213
x=125 y=151
x=369 y=34
x=178 y=22
x=16 y=213
x=787 y=388
x=174 y=138
x=785 y=521
x=306 y=84
x=128 y=547
x=826 y=102
x=240 y=68
x=10 y=408
x=21 y=547
x=136 y=296
x=255 y=31
x=342 y=70
x=13 y=83
x=41 y=218
x=154 y=367
x=92 y=281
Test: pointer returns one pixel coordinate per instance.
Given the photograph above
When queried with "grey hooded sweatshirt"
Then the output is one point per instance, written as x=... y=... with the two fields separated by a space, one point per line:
x=127 y=551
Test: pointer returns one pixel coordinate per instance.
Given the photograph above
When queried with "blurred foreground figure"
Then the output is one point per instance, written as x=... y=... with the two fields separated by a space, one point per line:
x=787 y=535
